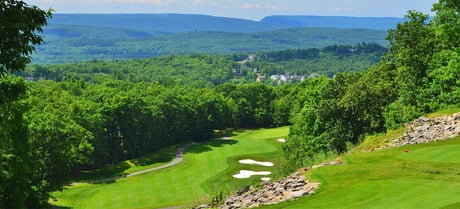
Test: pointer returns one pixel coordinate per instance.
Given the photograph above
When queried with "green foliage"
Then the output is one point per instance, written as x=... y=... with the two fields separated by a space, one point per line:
x=325 y=61
x=397 y=113
x=202 y=70
x=15 y=183
x=419 y=74
x=117 y=47
x=447 y=22
x=444 y=87
x=20 y=23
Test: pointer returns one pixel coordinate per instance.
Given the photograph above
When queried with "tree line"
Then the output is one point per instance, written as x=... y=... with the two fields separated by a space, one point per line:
x=205 y=70
x=50 y=129
x=419 y=74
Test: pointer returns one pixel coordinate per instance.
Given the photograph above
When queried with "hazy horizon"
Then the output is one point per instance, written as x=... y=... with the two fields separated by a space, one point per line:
x=243 y=9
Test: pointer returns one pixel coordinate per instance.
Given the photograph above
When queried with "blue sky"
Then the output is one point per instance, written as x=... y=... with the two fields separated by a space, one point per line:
x=247 y=9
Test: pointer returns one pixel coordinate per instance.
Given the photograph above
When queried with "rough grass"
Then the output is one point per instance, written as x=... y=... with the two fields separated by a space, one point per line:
x=447 y=111
x=205 y=171
x=376 y=141
x=427 y=176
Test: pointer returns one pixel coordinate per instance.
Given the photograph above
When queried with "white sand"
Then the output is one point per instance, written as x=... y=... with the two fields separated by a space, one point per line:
x=249 y=161
x=282 y=140
x=244 y=174
x=227 y=138
x=265 y=179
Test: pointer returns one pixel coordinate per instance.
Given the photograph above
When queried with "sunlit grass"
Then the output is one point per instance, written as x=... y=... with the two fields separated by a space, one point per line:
x=205 y=171
x=426 y=176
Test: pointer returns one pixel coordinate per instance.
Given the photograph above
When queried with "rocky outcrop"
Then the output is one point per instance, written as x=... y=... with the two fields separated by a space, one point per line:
x=291 y=187
x=421 y=130
x=424 y=130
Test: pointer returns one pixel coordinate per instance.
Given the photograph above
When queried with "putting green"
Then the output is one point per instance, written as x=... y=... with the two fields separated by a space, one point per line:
x=446 y=153
x=186 y=183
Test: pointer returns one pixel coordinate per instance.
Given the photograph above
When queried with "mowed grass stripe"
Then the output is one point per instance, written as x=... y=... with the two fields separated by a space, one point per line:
x=184 y=183
x=449 y=154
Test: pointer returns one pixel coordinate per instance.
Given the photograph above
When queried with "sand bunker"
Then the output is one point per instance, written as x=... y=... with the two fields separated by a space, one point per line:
x=244 y=174
x=249 y=161
x=227 y=138
x=282 y=140
x=265 y=179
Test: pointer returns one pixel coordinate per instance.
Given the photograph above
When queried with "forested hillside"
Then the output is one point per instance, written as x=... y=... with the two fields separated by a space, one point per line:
x=204 y=70
x=179 y=23
x=88 y=43
x=162 y=23
x=377 y=23
x=419 y=74
x=88 y=115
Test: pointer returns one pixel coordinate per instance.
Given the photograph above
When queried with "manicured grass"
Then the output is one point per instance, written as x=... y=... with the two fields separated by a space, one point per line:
x=152 y=160
x=449 y=154
x=205 y=170
x=427 y=176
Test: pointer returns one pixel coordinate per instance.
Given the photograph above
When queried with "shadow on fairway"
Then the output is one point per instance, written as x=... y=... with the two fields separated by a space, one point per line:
x=208 y=146
x=118 y=170
x=59 y=207
x=452 y=206
x=107 y=172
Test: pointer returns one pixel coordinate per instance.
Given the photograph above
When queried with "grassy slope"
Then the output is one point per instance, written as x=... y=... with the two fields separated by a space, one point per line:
x=389 y=179
x=427 y=176
x=193 y=179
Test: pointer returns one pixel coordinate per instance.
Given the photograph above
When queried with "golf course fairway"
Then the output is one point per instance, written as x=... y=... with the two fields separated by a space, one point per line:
x=206 y=170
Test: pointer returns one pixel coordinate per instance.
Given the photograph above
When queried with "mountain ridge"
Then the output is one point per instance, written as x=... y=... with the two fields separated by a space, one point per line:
x=178 y=23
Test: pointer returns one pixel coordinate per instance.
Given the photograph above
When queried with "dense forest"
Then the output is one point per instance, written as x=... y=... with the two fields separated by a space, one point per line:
x=83 y=43
x=84 y=37
x=59 y=125
x=205 y=70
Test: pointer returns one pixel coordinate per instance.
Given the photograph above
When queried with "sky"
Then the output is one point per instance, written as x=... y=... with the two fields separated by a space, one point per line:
x=245 y=9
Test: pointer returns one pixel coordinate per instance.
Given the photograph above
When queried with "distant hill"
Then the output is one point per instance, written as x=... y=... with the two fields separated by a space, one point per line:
x=114 y=46
x=378 y=23
x=53 y=32
x=80 y=37
x=162 y=23
x=178 y=23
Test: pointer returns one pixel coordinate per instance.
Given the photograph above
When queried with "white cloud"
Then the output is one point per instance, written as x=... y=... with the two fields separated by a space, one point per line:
x=263 y=6
x=340 y=9
x=205 y=3
x=155 y=2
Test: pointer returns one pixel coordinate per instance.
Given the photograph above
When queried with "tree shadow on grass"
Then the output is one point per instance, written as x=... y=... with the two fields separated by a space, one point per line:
x=162 y=156
x=111 y=173
x=59 y=207
x=452 y=206
x=209 y=145
x=106 y=172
